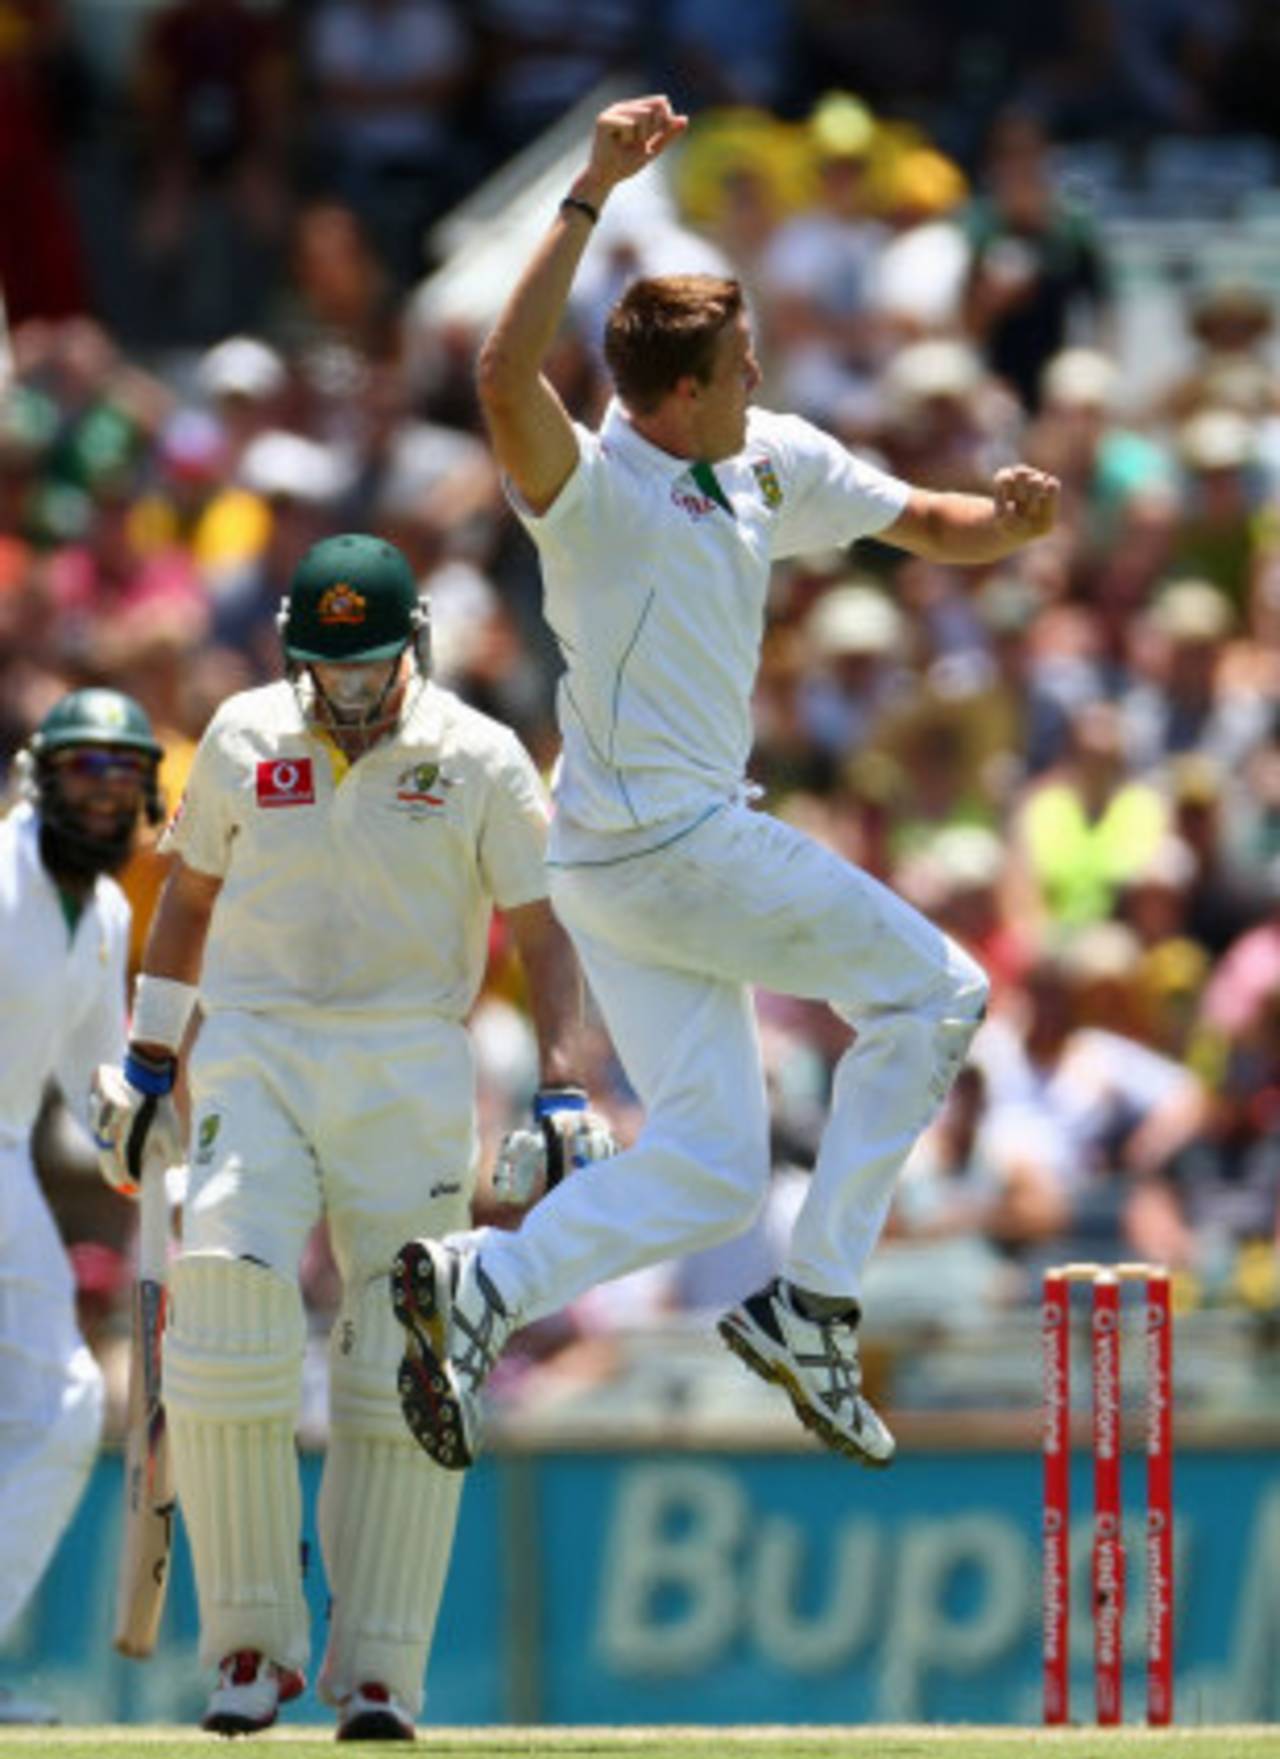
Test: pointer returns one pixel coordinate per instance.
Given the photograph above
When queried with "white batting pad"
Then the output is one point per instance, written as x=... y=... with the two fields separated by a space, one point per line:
x=232 y=1384
x=386 y=1513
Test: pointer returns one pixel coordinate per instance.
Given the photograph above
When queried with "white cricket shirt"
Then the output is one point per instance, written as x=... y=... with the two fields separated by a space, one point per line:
x=367 y=886
x=657 y=595
x=64 y=992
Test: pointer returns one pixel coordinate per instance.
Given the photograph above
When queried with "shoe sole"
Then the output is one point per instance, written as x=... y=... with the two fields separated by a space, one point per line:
x=226 y=1722
x=374 y=1725
x=813 y=1419
x=428 y=1400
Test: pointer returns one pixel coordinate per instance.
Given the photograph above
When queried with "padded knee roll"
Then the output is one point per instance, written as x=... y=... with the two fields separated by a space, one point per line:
x=232 y=1387
x=386 y=1516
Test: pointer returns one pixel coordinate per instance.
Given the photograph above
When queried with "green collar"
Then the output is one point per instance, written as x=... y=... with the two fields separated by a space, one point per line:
x=707 y=481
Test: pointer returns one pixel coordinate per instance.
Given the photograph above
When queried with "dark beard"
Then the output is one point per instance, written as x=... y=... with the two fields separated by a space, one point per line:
x=76 y=860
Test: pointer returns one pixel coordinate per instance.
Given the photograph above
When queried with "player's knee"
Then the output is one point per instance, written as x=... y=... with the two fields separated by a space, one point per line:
x=966 y=993
x=954 y=1021
x=235 y=1339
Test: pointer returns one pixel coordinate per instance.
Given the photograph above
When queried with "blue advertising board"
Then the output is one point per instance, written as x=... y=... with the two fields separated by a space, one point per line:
x=649 y=1587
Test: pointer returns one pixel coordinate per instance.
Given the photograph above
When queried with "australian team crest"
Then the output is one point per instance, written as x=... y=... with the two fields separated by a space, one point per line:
x=421 y=786
x=341 y=603
x=767 y=477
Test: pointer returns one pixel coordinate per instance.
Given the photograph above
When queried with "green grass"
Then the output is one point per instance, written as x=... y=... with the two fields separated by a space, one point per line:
x=682 y=1743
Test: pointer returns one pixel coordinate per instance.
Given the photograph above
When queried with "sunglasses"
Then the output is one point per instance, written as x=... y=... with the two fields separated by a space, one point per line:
x=104 y=765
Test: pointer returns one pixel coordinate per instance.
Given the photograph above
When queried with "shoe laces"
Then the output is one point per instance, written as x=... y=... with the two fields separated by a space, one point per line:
x=836 y=1355
x=478 y=1339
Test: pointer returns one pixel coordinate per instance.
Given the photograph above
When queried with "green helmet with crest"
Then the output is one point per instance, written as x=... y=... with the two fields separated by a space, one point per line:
x=95 y=717
x=352 y=598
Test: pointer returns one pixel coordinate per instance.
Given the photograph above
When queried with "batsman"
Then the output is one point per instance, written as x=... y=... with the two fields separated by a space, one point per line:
x=88 y=777
x=344 y=837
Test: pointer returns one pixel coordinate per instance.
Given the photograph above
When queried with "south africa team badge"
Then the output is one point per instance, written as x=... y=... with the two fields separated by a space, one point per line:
x=767 y=478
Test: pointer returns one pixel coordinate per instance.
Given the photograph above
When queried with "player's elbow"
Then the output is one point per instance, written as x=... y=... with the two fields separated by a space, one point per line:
x=500 y=379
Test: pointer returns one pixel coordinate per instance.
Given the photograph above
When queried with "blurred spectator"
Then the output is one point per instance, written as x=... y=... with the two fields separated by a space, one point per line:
x=103 y=408
x=1039 y=277
x=944 y=421
x=1221 y=522
x=1169 y=53
x=1231 y=324
x=1087 y=828
x=244 y=380
x=298 y=480
x=538 y=60
x=105 y=584
x=732 y=52
x=1229 y=891
x=856 y=637
x=817 y=271
x=1187 y=699
x=919 y=277
x=41 y=268
x=1221 y=1194
x=972 y=1199
x=1118 y=484
x=786 y=758
x=929 y=739
x=1239 y=998
x=389 y=78
x=1113 y=1112
x=1019 y=724
x=212 y=93
x=959 y=880
x=404 y=467
x=337 y=313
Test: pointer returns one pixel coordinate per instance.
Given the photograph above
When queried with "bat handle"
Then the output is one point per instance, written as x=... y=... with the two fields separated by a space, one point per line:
x=153 y=1223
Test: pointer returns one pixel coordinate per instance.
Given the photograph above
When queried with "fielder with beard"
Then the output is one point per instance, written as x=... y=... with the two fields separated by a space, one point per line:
x=344 y=836
x=89 y=773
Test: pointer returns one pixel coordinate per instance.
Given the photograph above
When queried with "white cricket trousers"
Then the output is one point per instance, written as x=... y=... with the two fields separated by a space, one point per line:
x=672 y=943
x=51 y=1393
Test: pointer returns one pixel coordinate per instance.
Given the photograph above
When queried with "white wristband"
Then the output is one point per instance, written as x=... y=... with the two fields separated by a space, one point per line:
x=161 y=1010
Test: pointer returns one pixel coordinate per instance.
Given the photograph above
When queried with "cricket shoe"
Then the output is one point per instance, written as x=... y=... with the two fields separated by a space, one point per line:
x=815 y=1362
x=455 y=1325
x=249 y=1693
x=370 y=1713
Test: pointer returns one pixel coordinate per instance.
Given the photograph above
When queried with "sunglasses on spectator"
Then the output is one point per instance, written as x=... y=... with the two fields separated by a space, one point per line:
x=104 y=765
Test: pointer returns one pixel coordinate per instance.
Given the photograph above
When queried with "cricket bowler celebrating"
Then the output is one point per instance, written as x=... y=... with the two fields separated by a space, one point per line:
x=342 y=840
x=656 y=537
x=90 y=772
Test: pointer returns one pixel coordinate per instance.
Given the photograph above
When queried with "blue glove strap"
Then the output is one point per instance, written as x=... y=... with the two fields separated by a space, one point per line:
x=147 y=1076
x=558 y=1099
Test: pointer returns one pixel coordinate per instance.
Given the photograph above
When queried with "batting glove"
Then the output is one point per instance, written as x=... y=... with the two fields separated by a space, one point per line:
x=566 y=1135
x=132 y=1117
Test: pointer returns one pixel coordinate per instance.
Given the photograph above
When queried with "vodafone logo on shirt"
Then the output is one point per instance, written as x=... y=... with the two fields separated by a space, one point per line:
x=286 y=781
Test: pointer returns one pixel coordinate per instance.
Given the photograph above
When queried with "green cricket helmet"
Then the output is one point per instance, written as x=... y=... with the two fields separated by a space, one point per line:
x=95 y=717
x=352 y=598
x=93 y=720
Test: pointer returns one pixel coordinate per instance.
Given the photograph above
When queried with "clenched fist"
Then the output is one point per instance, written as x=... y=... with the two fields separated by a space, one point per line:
x=1026 y=501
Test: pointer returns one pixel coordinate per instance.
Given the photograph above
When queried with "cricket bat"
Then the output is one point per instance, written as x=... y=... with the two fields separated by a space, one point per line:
x=148 y=1476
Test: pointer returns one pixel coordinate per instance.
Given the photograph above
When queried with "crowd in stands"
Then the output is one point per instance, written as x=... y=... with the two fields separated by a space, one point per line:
x=1071 y=762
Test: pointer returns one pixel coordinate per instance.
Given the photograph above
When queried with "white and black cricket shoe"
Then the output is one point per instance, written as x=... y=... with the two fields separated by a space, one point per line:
x=455 y=1324
x=250 y=1690
x=815 y=1362
x=371 y=1713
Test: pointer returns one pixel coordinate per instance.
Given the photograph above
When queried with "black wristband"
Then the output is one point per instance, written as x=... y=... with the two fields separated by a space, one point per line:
x=575 y=204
